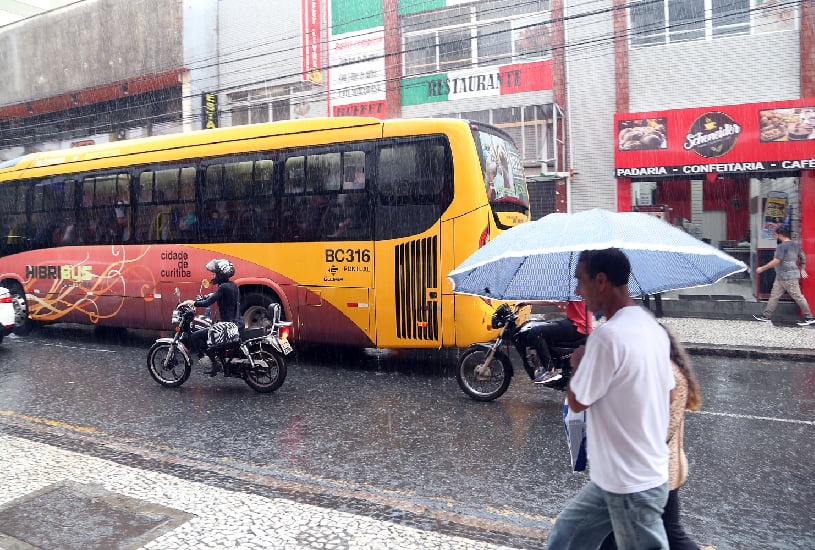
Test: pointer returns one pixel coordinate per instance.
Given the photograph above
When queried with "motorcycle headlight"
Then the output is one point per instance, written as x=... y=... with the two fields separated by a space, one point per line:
x=176 y=317
x=499 y=318
x=497 y=321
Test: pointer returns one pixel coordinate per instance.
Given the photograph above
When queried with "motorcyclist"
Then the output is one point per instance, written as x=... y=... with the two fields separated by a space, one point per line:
x=577 y=323
x=227 y=297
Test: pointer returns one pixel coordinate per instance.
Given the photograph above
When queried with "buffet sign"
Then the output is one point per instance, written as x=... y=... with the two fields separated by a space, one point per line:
x=752 y=137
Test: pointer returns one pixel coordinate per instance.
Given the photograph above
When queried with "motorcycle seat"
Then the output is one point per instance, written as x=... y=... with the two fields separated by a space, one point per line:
x=564 y=347
x=249 y=333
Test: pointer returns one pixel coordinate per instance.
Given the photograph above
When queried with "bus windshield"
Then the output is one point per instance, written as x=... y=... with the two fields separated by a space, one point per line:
x=503 y=172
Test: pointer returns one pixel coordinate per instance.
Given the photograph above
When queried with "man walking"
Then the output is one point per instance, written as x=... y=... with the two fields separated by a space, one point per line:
x=790 y=263
x=623 y=377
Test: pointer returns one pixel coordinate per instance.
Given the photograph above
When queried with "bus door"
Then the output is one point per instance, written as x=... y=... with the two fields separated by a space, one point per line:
x=412 y=183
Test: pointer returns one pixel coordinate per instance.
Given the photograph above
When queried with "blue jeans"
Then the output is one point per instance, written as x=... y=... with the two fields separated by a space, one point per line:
x=635 y=518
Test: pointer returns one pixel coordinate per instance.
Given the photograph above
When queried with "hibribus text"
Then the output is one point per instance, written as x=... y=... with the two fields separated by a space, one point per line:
x=76 y=273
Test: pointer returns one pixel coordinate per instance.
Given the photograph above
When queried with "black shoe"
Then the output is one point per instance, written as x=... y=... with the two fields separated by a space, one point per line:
x=215 y=366
x=806 y=322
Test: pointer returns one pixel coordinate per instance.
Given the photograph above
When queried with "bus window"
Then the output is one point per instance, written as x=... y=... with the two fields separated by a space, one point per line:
x=251 y=205
x=214 y=182
x=323 y=173
x=72 y=234
x=167 y=184
x=503 y=174
x=47 y=214
x=166 y=205
x=294 y=181
x=263 y=176
x=237 y=180
x=13 y=222
x=111 y=208
x=353 y=170
x=347 y=216
x=186 y=207
x=148 y=224
x=414 y=186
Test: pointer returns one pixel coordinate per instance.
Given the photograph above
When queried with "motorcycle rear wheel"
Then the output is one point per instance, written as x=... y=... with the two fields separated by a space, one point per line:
x=177 y=371
x=269 y=372
x=485 y=386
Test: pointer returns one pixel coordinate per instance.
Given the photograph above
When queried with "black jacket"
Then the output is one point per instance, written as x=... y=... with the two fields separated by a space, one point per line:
x=227 y=296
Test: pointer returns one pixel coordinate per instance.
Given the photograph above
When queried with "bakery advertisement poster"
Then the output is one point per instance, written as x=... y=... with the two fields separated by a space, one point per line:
x=643 y=133
x=775 y=213
x=793 y=124
x=729 y=139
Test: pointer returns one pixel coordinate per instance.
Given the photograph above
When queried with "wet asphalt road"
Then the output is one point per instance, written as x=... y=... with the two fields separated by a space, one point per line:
x=397 y=425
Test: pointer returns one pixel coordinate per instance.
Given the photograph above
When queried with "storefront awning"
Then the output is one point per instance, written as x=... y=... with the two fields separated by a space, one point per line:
x=96 y=94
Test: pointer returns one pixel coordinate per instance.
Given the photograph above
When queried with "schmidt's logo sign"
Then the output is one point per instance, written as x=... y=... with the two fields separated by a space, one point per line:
x=712 y=135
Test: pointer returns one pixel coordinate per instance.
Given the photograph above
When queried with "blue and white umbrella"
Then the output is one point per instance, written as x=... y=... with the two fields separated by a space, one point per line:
x=535 y=261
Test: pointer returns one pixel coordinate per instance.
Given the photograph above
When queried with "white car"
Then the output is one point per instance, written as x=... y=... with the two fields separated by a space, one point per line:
x=6 y=313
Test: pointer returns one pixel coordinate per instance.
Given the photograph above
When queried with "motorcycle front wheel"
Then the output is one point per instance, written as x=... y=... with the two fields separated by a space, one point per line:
x=269 y=371
x=481 y=382
x=177 y=370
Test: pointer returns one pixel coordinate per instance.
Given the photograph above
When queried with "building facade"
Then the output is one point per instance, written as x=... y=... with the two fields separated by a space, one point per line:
x=714 y=126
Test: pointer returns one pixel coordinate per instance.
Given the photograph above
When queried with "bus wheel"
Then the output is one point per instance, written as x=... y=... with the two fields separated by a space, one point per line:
x=22 y=324
x=254 y=309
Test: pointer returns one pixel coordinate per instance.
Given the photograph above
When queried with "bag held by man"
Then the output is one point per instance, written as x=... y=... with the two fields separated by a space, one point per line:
x=575 y=426
x=223 y=334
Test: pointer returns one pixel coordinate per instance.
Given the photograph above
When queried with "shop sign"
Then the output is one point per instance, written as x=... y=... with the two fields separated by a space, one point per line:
x=478 y=82
x=209 y=109
x=357 y=74
x=748 y=138
x=712 y=135
x=371 y=108
x=311 y=41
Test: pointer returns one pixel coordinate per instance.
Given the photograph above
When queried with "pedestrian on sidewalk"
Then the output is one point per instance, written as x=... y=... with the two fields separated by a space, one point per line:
x=623 y=377
x=790 y=263
x=686 y=395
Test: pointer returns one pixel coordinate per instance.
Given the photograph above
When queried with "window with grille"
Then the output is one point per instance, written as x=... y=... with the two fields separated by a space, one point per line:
x=479 y=34
x=672 y=21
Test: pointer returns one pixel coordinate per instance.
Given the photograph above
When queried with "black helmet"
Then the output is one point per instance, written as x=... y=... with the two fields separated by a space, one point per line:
x=223 y=270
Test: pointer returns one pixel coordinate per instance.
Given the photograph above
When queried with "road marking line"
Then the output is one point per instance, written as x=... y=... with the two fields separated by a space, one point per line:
x=72 y=347
x=753 y=417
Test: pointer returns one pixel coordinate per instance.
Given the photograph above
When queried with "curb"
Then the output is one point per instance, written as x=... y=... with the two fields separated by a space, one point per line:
x=749 y=352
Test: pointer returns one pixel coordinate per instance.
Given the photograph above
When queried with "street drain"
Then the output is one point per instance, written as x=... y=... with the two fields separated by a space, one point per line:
x=68 y=516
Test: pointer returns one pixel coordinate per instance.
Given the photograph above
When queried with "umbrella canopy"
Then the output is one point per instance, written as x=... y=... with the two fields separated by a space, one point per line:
x=536 y=260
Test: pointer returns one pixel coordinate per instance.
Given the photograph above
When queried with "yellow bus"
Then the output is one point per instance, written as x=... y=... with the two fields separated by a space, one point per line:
x=351 y=224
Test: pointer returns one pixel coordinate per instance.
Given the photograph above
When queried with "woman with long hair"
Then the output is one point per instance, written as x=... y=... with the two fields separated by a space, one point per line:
x=686 y=395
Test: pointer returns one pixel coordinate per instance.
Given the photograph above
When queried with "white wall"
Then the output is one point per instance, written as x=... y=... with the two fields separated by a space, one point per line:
x=200 y=57
x=724 y=71
x=591 y=96
x=259 y=42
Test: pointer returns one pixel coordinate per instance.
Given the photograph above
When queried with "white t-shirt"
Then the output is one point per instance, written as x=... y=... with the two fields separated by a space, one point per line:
x=625 y=378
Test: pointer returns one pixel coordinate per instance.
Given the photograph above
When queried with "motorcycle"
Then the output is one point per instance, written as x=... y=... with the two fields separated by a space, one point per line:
x=485 y=369
x=258 y=357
